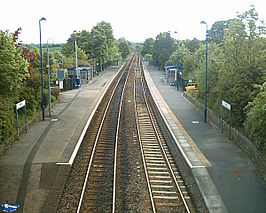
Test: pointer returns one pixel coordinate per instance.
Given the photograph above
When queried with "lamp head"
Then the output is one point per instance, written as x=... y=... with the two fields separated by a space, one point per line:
x=203 y=22
x=43 y=19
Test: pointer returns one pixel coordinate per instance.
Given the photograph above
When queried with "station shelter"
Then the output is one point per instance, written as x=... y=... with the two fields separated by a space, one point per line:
x=171 y=74
x=81 y=75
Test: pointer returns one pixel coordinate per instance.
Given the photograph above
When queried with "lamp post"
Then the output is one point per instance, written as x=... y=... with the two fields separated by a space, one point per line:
x=73 y=47
x=158 y=51
x=76 y=50
x=206 y=73
x=75 y=55
x=92 y=49
x=42 y=19
x=176 y=37
x=49 y=77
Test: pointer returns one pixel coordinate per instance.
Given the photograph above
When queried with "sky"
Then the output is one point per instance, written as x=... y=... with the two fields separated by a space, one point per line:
x=134 y=20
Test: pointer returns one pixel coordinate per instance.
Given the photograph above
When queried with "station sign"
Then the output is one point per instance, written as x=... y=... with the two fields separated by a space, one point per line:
x=226 y=105
x=20 y=104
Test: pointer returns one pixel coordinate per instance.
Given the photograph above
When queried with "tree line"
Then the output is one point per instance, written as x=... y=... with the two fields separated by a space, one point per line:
x=20 y=70
x=97 y=44
x=236 y=69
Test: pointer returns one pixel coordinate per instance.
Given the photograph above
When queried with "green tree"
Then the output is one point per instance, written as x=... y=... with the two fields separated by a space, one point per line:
x=100 y=39
x=163 y=47
x=191 y=45
x=13 y=70
x=185 y=55
x=215 y=66
x=105 y=48
x=256 y=113
x=124 y=47
x=147 y=47
x=216 y=33
x=243 y=64
x=68 y=50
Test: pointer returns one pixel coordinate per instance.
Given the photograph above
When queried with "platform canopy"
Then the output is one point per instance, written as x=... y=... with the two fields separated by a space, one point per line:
x=170 y=67
x=80 y=68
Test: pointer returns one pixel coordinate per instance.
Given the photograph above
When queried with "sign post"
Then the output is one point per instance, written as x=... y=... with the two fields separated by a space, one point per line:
x=229 y=108
x=18 y=106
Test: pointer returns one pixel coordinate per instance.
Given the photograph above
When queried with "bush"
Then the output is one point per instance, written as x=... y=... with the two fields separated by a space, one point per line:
x=7 y=119
x=256 y=122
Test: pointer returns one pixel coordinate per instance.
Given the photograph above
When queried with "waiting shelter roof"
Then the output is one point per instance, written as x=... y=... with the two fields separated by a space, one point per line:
x=80 y=68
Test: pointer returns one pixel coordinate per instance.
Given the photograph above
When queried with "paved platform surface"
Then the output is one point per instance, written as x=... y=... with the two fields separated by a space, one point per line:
x=28 y=171
x=233 y=174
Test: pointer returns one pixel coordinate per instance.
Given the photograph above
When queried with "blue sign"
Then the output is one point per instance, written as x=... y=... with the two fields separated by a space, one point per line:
x=60 y=75
x=8 y=207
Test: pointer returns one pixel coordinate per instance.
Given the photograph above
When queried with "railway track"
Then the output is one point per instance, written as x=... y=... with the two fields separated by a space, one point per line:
x=98 y=192
x=124 y=164
x=167 y=192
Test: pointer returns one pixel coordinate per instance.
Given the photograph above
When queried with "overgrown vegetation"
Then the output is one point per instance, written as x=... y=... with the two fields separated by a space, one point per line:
x=236 y=69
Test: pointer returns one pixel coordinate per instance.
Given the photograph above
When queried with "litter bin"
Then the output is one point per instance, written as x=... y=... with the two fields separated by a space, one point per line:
x=77 y=82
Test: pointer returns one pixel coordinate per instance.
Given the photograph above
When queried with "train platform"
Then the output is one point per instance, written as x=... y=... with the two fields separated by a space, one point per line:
x=227 y=178
x=33 y=170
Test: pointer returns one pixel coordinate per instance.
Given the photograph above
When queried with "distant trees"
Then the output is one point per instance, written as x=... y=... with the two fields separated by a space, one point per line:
x=147 y=47
x=100 y=44
x=163 y=47
x=125 y=47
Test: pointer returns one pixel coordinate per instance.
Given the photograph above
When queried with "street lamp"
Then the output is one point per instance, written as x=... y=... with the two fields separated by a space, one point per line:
x=206 y=73
x=158 y=51
x=176 y=37
x=73 y=46
x=92 y=49
x=49 y=77
x=42 y=19
x=75 y=50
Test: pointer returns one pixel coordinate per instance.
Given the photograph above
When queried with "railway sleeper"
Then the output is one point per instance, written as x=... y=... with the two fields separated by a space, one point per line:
x=151 y=158
x=158 y=164
x=100 y=181
x=165 y=177
x=157 y=169
x=98 y=174
x=150 y=146
x=102 y=159
x=169 y=198
x=152 y=153
x=154 y=161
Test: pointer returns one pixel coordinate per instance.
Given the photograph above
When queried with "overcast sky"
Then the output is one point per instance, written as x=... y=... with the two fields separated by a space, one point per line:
x=134 y=21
